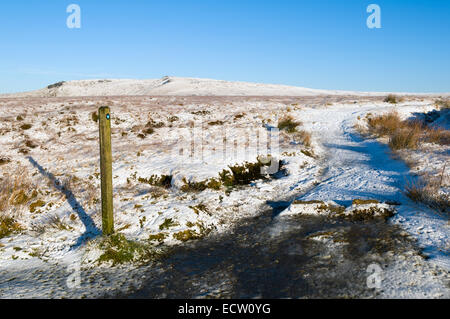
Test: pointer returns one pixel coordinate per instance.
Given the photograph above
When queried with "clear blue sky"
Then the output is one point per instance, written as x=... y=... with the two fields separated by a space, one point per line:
x=315 y=43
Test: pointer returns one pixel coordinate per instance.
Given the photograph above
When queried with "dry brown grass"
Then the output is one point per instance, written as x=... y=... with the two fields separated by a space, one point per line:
x=385 y=124
x=427 y=191
x=405 y=134
x=406 y=137
x=304 y=137
x=438 y=136
x=443 y=103
x=16 y=190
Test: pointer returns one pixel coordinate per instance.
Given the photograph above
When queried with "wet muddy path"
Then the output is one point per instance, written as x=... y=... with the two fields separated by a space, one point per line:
x=267 y=257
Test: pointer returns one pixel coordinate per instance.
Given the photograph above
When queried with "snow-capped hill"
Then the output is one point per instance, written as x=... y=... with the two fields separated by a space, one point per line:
x=174 y=86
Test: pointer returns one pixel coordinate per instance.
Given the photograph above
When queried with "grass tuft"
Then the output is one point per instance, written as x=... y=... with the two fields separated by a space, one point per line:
x=190 y=234
x=164 y=181
x=384 y=125
x=157 y=237
x=214 y=123
x=8 y=226
x=242 y=174
x=427 y=191
x=406 y=138
x=195 y=187
x=186 y=235
x=26 y=126
x=16 y=191
x=168 y=222
x=94 y=116
x=391 y=98
x=119 y=250
x=35 y=205
x=304 y=137
x=288 y=124
x=443 y=103
x=4 y=160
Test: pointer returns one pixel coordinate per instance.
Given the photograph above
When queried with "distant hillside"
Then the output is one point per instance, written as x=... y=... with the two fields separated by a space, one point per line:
x=178 y=87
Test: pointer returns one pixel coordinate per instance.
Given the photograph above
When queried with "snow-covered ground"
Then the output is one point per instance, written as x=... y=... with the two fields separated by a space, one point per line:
x=58 y=158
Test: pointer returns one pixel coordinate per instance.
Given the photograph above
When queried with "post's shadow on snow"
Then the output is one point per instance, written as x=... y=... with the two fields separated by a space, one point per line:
x=91 y=229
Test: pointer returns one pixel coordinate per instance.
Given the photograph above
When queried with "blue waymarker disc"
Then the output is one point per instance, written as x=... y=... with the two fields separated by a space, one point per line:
x=108 y=116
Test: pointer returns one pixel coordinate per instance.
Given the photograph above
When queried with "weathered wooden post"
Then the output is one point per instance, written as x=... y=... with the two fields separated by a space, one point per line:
x=104 y=118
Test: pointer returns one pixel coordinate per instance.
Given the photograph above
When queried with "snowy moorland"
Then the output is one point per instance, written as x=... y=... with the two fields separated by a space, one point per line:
x=337 y=201
x=177 y=86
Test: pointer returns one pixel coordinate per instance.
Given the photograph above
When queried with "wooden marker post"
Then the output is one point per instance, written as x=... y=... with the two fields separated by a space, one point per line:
x=104 y=119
